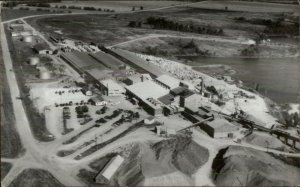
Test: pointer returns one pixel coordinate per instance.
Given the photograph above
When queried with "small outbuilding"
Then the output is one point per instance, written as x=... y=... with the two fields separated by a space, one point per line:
x=98 y=101
x=150 y=120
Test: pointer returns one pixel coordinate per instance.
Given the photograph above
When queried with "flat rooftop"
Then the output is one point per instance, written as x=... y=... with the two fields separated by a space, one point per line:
x=169 y=81
x=112 y=85
x=138 y=63
x=82 y=60
x=99 y=74
x=107 y=60
x=147 y=89
x=222 y=125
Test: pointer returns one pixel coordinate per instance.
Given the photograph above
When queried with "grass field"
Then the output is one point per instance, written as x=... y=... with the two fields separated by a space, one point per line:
x=5 y=167
x=35 y=177
x=108 y=30
x=8 y=14
x=247 y=6
x=120 y=5
x=11 y=146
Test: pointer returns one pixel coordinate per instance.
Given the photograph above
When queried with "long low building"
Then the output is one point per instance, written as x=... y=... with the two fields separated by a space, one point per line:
x=141 y=65
x=108 y=60
x=81 y=61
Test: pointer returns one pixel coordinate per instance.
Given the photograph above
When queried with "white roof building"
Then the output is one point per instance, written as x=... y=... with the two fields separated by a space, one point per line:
x=168 y=81
x=109 y=170
x=147 y=89
x=112 y=87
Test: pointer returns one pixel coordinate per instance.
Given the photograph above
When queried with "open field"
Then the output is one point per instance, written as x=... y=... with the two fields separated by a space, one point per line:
x=247 y=6
x=10 y=141
x=35 y=177
x=8 y=14
x=237 y=35
x=120 y=5
x=5 y=167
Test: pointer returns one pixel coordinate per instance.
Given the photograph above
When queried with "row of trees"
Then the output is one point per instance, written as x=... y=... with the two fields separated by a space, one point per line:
x=252 y=50
x=162 y=23
x=84 y=8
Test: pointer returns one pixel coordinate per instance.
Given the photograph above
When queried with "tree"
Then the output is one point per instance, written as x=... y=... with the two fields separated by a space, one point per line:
x=132 y=24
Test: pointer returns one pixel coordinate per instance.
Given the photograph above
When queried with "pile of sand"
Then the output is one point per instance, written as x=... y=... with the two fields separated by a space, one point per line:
x=170 y=162
x=240 y=166
x=266 y=140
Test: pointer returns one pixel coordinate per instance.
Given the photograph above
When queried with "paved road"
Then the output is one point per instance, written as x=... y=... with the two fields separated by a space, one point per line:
x=33 y=150
x=42 y=155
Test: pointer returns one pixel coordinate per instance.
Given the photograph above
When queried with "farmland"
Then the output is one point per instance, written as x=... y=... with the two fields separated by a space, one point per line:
x=120 y=5
x=109 y=30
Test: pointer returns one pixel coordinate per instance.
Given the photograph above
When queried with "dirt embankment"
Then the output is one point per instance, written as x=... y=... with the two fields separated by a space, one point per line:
x=168 y=162
x=266 y=140
x=241 y=166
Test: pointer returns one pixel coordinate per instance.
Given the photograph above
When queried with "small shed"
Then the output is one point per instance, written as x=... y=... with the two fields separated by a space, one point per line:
x=98 y=101
x=150 y=120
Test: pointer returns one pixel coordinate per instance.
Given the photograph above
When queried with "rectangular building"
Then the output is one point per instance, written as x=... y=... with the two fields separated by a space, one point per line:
x=111 y=88
x=109 y=170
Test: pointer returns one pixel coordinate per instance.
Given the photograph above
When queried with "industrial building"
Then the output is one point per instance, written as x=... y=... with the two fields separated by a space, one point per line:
x=81 y=61
x=137 y=78
x=219 y=128
x=111 y=88
x=147 y=93
x=109 y=170
x=167 y=81
x=108 y=60
x=137 y=63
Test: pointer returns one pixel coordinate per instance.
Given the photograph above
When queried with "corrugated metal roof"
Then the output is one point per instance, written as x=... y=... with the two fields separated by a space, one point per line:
x=107 y=60
x=139 y=62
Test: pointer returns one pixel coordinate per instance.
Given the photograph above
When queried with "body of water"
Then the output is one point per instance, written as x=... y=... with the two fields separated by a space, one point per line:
x=279 y=78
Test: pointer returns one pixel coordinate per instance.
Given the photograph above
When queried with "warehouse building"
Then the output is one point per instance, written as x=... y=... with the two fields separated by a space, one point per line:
x=167 y=81
x=147 y=93
x=111 y=88
x=141 y=65
x=108 y=60
x=137 y=78
x=219 y=128
x=107 y=173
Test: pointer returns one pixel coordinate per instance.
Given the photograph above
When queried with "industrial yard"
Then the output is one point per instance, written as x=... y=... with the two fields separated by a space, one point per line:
x=88 y=100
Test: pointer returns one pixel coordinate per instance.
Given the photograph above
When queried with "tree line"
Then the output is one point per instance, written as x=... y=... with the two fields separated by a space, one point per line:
x=162 y=23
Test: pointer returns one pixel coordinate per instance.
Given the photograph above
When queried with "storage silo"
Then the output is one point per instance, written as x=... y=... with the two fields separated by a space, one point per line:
x=45 y=75
x=27 y=39
x=34 y=61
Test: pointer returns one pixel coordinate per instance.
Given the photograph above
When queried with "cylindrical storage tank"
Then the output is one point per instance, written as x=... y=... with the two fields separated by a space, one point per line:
x=27 y=39
x=45 y=75
x=34 y=61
